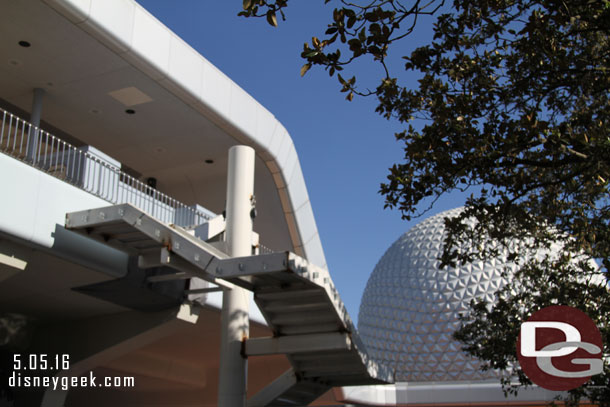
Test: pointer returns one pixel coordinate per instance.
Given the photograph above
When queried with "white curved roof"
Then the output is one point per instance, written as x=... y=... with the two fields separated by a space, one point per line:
x=130 y=32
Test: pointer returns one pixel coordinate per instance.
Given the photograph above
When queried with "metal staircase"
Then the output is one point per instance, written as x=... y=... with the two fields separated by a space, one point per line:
x=298 y=300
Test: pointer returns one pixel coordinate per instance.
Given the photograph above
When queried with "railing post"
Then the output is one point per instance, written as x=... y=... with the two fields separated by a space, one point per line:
x=235 y=326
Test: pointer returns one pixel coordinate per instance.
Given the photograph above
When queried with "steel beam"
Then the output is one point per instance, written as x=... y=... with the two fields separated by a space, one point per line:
x=297 y=344
x=280 y=385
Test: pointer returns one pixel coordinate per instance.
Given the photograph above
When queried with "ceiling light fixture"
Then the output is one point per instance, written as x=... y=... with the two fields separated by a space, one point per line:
x=209 y=161
x=24 y=44
x=130 y=111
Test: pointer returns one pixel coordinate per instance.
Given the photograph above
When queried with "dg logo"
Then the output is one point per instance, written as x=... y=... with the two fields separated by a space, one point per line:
x=560 y=348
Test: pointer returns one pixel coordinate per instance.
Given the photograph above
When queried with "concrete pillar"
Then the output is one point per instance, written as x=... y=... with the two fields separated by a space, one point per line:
x=35 y=120
x=232 y=386
x=37 y=106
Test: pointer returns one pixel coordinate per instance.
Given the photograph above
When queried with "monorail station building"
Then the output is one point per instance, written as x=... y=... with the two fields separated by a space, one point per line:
x=158 y=246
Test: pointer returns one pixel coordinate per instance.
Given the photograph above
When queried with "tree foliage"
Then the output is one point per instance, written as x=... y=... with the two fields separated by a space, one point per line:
x=512 y=104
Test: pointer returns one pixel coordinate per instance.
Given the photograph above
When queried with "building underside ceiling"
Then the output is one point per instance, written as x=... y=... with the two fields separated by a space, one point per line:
x=165 y=138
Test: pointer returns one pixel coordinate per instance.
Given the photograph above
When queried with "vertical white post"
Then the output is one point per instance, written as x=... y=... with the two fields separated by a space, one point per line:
x=235 y=325
x=35 y=120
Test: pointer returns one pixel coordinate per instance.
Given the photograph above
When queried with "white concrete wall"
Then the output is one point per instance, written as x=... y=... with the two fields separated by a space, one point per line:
x=33 y=203
x=444 y=393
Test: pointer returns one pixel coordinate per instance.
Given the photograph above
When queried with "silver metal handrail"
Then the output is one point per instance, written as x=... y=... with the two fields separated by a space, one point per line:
x=40 y=149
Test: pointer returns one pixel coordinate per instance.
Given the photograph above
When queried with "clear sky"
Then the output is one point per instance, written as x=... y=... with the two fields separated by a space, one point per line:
x=345 y=148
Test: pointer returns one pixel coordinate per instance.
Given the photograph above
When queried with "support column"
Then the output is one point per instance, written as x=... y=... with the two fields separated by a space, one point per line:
x=35 y=120
x=235 y=325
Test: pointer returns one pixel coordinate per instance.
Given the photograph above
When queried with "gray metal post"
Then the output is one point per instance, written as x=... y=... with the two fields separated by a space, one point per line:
x=232 y=382
x=35 y=120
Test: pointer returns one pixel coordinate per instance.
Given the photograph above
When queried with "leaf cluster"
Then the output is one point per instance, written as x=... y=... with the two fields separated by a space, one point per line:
x=361 y=30
x=512 y=104
x=264 y=8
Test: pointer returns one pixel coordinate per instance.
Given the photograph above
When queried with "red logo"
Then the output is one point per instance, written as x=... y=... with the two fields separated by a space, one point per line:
x=560 y=348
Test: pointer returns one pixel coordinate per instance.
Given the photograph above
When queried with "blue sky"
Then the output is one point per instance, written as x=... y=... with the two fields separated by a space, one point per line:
x=345 y=148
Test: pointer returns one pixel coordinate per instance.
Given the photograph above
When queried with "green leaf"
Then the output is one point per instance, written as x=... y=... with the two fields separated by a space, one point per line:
x=271 y=18
x=247 y=4
x=351 y=21
x=305 y=68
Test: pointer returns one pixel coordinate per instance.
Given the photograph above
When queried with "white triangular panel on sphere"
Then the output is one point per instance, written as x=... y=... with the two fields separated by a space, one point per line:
x=412 y=289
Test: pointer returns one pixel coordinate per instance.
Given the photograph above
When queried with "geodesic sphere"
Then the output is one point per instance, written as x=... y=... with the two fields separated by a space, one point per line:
x=410 y=307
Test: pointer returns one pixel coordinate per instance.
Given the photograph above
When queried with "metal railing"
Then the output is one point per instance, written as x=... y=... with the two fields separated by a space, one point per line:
x=38 y=148
x=265 y=250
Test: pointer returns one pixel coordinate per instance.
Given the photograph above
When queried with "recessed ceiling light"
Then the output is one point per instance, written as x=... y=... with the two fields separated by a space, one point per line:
x=130 y=111
x=209 y=161
x=24 y=44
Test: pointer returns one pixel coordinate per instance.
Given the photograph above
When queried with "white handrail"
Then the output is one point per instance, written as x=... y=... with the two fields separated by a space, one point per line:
x=40 y=149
